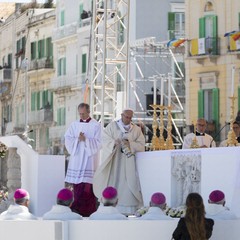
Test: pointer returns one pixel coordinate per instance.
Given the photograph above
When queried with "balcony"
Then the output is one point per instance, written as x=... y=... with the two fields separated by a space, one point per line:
x=84 y=22
x=56 y=132
x=67 y=81
x=41 y=116
x=64 y=31
x=44 y=63
x=202 y=48
x=6 y=75
x=233 y=47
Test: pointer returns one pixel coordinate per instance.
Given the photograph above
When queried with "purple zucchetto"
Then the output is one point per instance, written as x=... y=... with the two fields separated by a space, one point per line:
x=109 y=193
x=158 y=198
x=20 y=193
x=216 y=196
x=65 y=194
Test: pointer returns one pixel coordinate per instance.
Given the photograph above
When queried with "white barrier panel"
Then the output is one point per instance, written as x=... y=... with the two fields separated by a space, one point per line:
x=32 y=230
x=106 y=230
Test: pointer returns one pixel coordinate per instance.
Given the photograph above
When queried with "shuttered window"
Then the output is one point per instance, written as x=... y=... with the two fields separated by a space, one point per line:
x=200 y=103
x=84 y=63
x=215 y=106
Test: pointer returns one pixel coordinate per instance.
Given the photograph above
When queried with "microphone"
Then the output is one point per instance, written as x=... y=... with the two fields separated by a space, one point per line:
x=217 y=134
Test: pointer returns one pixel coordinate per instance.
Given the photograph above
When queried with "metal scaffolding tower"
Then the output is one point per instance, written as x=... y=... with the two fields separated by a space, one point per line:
x=109 y=73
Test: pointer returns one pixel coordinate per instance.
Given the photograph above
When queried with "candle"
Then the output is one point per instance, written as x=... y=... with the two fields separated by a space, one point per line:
x=154 y=91
x=169 y=90
x=162 y=88
x=233 y=76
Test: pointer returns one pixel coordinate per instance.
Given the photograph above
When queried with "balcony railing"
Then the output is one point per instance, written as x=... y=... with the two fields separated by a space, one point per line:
x=64 y=31
x=41 y=63
x=204 y=46
x=57 y=132
x=6 y=75
x=66 y=81
x=40 y=116
x=84 y=22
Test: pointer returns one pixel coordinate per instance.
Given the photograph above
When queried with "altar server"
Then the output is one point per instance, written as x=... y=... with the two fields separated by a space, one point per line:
x=203 y=139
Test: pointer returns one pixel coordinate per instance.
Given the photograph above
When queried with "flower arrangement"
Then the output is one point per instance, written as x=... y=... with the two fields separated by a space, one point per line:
x=175 y=212
x=3 y=194
x=3 y=150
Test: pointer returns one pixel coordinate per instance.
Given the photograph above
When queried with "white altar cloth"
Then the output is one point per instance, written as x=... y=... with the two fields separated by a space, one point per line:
x=220 y=169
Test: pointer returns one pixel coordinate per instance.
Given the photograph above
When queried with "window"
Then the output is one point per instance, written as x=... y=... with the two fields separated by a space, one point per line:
x=41 y=48
x=62 y=66
x=61 y=114
x=9 y=61
x=208 y=29
x=40 y=99
x=208 y=104
x=49 y=48
x=176 y=24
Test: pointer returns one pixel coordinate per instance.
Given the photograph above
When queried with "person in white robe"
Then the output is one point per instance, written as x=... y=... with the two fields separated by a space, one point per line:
x=121 y=140
x=236 y=130
x=19 y=210
x=204 y=140
x=62 y=211
x=107 y=209
x=216 y=208
x=156 y=209
x=83 y=143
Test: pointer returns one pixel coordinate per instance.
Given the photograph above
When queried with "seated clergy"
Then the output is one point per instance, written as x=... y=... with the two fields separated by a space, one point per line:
x=107 y=209
x=156 y=210
x=216 y=206
x=62 y=210
x=19 y=210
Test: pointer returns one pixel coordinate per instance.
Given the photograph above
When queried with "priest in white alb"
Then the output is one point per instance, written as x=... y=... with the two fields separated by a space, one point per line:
x=83 y=143
x=121 y=140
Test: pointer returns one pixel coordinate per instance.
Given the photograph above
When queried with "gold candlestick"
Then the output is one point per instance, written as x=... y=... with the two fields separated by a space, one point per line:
x=194 y=143
x=155 y=140
x=169 y=141
x=231 y=140
x=162 y=143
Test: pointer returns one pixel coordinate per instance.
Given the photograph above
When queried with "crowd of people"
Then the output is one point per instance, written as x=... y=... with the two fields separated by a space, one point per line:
x=111 y=189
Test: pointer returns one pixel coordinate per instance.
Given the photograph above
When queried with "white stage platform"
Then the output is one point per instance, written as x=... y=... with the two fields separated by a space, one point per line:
x=220 y=169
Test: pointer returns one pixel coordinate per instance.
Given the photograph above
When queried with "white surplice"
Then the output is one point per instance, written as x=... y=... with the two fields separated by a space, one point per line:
x=84 y=155
x=202 y=140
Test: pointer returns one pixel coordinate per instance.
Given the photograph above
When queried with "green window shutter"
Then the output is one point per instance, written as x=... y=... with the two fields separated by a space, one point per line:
x=10 y=60
x=18 y=46
x=62 y=20
x=49 y=47
x=63 y=116
x=39 y=49
x=32 y=101
x=80 y=11
x=171 y=24
x=64 y=66
x=23 y=42
x=44 y=98
x=51 y=99
x=215 y=35
x=201 y=104
x=84 y=63
x=202 y=27
x=33 y=50
x=59 y=67
x=42 y=48
x=215 y=106
x=38 y=100
x=59 y=117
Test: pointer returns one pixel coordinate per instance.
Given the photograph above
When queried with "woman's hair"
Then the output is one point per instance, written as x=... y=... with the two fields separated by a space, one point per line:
x=195 y=217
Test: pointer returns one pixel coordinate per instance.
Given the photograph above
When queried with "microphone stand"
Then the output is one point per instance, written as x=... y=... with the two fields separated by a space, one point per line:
x=217 y=134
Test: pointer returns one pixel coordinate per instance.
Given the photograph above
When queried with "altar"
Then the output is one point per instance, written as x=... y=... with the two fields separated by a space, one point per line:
x=177 y=172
